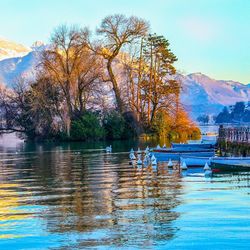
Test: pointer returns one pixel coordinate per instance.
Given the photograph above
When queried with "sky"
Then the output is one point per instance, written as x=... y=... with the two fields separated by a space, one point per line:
x=208 y=36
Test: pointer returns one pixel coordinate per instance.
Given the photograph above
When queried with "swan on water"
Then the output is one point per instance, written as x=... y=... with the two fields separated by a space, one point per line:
x=139 y=161
x=206 y=167
x=170 y=163
x=183 y=165
x=109 y=149
x=132 y=156
x=153 y=160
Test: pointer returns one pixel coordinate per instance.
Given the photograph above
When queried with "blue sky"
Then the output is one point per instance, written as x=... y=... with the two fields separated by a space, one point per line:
x=208 y=36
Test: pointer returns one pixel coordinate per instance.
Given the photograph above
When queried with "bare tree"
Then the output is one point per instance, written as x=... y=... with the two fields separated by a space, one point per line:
x=72 y=66
x=117 y=31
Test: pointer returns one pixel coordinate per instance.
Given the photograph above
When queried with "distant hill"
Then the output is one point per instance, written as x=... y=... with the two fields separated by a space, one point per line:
x=200 y=95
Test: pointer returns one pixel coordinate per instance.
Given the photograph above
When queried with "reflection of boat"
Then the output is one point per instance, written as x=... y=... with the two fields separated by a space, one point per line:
x=176 y=153
x=195 y=161
x=230 y=163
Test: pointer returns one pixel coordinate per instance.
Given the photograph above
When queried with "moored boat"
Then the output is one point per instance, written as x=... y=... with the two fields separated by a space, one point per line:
x=230 y=163
x=182 y=149
x=176 y=154
x=193 y=145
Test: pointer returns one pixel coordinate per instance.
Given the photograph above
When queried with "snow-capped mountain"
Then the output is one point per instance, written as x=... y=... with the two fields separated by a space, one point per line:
x=200 y=94
x=13 y=68
x=9 y=49
x=22 y=66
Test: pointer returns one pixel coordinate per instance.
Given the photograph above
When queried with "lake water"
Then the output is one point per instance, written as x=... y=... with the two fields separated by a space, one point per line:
x=75 y=196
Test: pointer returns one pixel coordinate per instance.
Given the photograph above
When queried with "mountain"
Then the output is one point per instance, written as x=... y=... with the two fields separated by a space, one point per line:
x=22 y=66
x=9 y=49
x=204 y=95
x=13 y=68
x=200 y=94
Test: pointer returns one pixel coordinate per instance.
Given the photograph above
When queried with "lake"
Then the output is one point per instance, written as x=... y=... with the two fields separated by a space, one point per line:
x=76 y=196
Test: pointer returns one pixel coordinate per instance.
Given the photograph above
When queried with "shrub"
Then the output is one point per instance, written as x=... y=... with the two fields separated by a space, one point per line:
x=114 y=125
x=161 y=125
x=87 y=127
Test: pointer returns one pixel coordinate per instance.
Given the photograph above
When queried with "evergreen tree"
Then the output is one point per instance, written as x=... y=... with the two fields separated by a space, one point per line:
x=224 y=116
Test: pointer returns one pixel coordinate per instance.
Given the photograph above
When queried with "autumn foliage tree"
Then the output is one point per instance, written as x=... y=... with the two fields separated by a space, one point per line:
x=126 y=67
x=152 y=88
x=73 y=67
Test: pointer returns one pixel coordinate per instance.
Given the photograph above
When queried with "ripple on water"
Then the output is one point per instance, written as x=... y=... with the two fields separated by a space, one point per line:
x=88 y=199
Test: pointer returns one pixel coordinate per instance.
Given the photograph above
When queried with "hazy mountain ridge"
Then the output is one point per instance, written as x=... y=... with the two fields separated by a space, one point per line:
x=200 y=94
x=219 y=89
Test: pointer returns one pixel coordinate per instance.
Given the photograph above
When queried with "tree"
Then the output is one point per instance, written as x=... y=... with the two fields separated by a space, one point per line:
x=150 y=73
x=70 y=91
x=117 y=31
x=224 y=116
x=73 y=67
x=237 y=113
x=159 y=89
x=31 y=109
x=203 y=118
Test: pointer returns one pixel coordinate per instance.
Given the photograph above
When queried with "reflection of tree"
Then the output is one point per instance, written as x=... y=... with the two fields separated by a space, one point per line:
x=9 y=202
x=97 y=196
x=9 y=208
x=97 y=191
x=146 y=205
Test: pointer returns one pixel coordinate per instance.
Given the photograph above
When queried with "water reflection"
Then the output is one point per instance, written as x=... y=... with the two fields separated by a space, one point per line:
x=77 y=196
x=99 y=191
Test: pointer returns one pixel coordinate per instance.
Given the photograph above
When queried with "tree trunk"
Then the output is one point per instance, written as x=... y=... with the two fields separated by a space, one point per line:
x=119 y=102
x=153 y=113
x=139 y=84
x=154 y=88
x=150 y=82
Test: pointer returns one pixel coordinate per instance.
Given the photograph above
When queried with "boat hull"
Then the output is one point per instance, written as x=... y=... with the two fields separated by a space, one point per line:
x=230 y=164
x=193 y=145
x=165 y=156
x=195 y=161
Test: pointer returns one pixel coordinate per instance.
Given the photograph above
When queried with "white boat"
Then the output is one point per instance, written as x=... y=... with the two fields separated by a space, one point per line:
x=230 y=163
